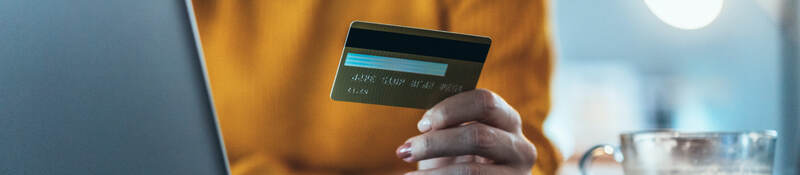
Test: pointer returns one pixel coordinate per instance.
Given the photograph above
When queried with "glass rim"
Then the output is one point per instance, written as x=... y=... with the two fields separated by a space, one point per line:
x=678 y=133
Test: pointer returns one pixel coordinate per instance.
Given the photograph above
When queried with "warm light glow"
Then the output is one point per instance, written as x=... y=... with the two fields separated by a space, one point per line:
x=686 y=14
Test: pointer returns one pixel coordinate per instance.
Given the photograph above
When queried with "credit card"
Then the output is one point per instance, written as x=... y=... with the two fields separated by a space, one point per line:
x=407 y=67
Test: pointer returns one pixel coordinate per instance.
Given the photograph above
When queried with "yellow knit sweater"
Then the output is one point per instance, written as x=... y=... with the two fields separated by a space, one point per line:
x=272 y=63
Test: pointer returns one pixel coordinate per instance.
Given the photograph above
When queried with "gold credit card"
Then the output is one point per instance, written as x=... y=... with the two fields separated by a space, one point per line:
x=407 y=67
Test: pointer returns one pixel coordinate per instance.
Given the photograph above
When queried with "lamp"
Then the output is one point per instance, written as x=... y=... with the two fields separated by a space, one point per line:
x=685 y=14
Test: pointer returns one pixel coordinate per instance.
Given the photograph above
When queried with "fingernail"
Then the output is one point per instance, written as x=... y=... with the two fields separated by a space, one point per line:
x=424 y=125
x=404 y=152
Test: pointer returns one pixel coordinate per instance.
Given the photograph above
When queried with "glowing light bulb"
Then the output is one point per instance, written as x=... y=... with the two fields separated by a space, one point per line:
x=685 y=14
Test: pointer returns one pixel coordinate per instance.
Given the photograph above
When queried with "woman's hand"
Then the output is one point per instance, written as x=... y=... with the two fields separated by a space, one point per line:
x=474 y=132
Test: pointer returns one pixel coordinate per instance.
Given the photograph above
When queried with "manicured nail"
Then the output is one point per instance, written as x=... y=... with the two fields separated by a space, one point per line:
x=424 y=125
x=404 y=152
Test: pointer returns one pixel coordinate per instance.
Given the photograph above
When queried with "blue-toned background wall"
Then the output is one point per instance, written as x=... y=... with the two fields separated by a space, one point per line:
x=619 y=68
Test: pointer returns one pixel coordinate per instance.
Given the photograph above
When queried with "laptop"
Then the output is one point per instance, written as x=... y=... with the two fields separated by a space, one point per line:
x=105 y=87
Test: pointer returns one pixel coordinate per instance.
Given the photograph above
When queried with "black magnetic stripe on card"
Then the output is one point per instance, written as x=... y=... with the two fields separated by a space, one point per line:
x=420 y=45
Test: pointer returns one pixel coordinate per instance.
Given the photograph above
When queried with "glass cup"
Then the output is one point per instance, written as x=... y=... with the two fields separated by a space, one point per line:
x=664 y=152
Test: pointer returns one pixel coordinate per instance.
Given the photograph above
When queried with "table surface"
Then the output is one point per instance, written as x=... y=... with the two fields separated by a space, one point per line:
x=599 y=166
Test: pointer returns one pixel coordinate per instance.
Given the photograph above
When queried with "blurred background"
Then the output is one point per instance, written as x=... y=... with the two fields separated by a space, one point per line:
x=708 y=65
